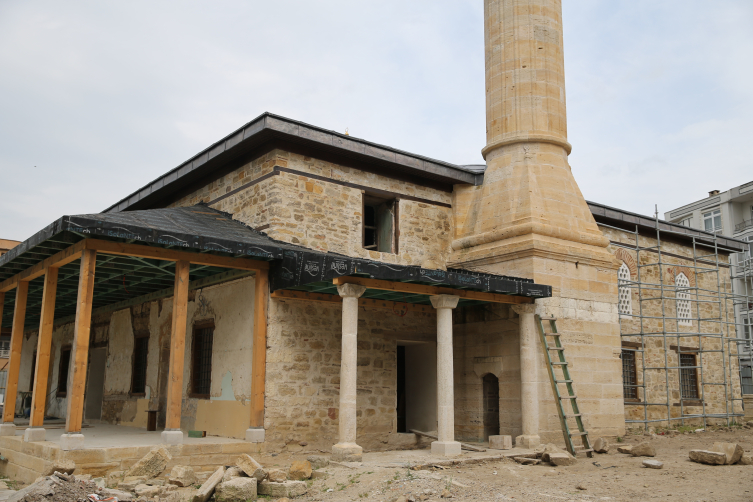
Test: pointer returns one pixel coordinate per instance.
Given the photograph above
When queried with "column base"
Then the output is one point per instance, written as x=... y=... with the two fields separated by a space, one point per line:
x=255 y=435
x=347 y=452
x=445 y=448
x=8 y=429
x=172 y=436
x=34 y=434
x=73 y=441
x=528 y=442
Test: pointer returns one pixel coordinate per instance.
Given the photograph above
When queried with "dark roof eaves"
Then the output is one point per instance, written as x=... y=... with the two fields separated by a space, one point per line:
x=307 y=132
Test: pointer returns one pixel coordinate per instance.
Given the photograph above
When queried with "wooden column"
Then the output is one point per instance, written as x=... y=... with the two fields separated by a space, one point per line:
x=177 y=346
x=80 y=355
x=16 y=342
x=259 y=357
x=44 y=346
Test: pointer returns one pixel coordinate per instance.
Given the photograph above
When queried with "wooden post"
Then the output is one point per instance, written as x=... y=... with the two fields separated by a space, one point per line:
x=177 y=354
x=80 y=355
x=16 y=342
x=44 y=346
x=259 y=357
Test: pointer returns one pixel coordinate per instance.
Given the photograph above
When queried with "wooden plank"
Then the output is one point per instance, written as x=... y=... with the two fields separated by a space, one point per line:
x=16 y=344
x=44 y=347
x=259 y=357
x=464 y=446
x=177 y=345
x=157 y=253
x=421 y=289
x=81 y=331
x=68 y=255
x=362 y=302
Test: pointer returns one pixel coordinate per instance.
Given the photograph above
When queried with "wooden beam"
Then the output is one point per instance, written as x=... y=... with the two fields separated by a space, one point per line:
x=81 y=331
x=68 y=255
x=16 y=344
x=259 y=357
x=421 y=289
x=44 y=347
x=157 y=253
x=177 y=346
x=287 y=294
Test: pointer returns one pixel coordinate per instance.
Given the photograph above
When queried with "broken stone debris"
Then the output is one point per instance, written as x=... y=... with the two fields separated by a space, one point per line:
x=561 y=459
x=285 y=489
x=318 y=461
x=62 y=465
x=182 y=475
x=300 y=470
x=251 y=467
x=60 y=487
x=625 y=449
x=601 y=445
x=232 y=473
x=277 y=476
x=653 y=464
x=152 y=464
x=643 y=450
x=527 y=461
x=238 y=489
x=207 y=489
x=708 y=457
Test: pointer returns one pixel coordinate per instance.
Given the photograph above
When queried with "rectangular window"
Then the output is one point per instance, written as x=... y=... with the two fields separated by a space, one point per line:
x=201 y=368
x=629 y=378
x=688 y=376
x=63 y=366
x=140 y=352
x=380 y=224
x=747 y=328
x=712 y=221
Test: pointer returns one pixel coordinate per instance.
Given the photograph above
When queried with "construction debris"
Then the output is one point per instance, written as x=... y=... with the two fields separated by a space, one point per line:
x=236 y=490
x=601 y=445
x=152 y=464
x=653 y=464
x=58 y=487
x=300 y=471
x=732 y=451
x=251 y=467
x=284 y=489
x=207 y=489
x=182 y=475
x=625 y=449
x=64 y=466
x=643 y=450
x=708 y=457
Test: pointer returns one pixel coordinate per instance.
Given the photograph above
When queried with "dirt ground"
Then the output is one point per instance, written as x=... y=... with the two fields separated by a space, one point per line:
x=611 y=476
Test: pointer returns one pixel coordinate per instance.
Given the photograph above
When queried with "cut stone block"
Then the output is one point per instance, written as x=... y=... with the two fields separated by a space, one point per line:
x=255 y=435
x=207 y=489
x=277 y=476
x=33 y=435
x=643 y=450
x=500 y=442
x=300 y=470
x=182 y=475
x=561 y=459
x=653 y=464
x=251 y=467
x=152 y=464
x=69 y=442
x=61 y=465
x=236 y=490
x=347 y=452
x=625 y=449
x=129 y=483
x=708 y=457
x=733 y=451
x=286 y=489
x=601 y=445
x=445 y=448
x=318 y=461
x=745 y=460
x=172 y=437
x=8 y=429
x=232 y=473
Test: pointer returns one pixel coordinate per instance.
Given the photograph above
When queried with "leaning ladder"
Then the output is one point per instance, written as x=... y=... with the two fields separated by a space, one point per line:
x=562 y=364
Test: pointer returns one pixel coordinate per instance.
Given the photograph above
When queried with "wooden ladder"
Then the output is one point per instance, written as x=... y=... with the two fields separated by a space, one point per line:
x=561 y=362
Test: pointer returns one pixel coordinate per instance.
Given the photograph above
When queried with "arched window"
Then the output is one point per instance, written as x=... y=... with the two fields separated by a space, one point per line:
x=625 y=298
x=682 y=286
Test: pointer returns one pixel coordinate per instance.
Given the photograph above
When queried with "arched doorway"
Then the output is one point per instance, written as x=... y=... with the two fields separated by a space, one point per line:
x=491 y=406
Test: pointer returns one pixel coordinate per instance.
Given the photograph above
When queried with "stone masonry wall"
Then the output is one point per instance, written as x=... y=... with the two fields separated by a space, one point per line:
x=326 y=216
x=662 y=330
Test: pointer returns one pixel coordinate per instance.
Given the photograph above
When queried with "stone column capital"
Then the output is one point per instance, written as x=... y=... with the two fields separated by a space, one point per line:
x=351 y=290
x=444 y=301
x=526 y=308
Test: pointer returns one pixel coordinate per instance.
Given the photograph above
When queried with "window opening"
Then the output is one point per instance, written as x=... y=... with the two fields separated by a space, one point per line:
x=140 y=352
x=712 y=221
x=379 y=224
x=682 y=286
x=201 y=374
x=63 y=366
x=688 y=377
x=629 y=375
x=402 y=422
x=625 y=299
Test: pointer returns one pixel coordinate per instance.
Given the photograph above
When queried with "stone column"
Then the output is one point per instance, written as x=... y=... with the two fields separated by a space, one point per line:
x=445 y=445
x=346 y=450
x=529 y=367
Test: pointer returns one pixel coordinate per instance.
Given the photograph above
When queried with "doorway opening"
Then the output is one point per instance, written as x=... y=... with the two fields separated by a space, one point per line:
x=491 y=406
x=416 y=388
x=95 y=384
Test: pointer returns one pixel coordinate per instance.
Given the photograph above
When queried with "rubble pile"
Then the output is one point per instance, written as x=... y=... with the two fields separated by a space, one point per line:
x=61 y=487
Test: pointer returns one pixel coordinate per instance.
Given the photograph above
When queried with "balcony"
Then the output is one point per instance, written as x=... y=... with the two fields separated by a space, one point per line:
x=746 y=224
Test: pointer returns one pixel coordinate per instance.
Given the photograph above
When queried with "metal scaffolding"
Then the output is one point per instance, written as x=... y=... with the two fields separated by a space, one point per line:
x=715 y=329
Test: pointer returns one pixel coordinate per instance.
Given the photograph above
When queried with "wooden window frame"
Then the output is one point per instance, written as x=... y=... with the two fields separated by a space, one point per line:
x=58 y=392
x=368 y=199
x=137 y=336
x=197 y=326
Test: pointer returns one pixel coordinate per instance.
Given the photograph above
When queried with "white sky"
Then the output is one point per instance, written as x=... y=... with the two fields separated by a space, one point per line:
x=99 y=98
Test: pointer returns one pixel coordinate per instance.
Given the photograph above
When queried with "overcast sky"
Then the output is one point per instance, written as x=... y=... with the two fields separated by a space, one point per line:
x=98 y=98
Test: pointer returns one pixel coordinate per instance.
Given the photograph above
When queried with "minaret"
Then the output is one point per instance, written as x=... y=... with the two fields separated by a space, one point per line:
x=529 y=219
x=529 y=204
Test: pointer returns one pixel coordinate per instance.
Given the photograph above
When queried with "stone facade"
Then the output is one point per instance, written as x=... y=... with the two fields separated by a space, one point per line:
x=664 y=331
